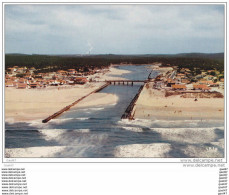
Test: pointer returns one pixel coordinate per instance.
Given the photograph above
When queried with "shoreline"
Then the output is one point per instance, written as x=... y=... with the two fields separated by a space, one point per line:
x=24 y=105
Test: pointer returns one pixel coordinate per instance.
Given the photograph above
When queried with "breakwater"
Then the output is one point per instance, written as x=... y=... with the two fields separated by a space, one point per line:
x=128 y=111
x=73 y=104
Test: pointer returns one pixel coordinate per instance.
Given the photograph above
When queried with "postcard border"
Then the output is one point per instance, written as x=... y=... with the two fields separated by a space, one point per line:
x=115 y=3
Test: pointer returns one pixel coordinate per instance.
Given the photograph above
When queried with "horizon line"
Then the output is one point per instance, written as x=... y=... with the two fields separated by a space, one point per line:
x=122 y=54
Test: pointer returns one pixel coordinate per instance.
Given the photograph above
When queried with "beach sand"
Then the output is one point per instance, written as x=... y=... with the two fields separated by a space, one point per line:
x=22 y=105
x=113 y=74
x=152 y=104
x=163 y=70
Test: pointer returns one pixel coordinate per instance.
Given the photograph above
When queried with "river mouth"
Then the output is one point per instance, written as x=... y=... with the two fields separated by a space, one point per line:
x=99 y=132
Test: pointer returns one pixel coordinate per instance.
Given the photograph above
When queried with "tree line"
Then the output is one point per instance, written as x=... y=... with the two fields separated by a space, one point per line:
x=48 y=63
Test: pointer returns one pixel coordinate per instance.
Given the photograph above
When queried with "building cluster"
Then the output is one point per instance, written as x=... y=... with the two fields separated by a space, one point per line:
x=22 y=78
x=185 y=79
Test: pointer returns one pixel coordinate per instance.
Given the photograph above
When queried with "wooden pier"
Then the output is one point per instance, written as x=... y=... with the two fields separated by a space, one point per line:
x=128 y=111
x=74 y=103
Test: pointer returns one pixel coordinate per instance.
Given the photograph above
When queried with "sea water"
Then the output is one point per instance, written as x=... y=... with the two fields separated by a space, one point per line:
x=98 y=131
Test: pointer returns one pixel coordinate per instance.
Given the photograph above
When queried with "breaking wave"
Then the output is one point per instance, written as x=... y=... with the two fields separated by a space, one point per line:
x=60 y=120
x=94 y=109
x=57 y=134
x=82 y=119
x=51 y=134
x=40 y=125
x=171 y=123
x=10 y=120
x=156 y=150
x=134 y=129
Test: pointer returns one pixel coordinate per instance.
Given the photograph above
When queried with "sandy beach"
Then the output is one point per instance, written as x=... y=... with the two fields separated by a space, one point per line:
x=23 y=105
x=152 y=104
x=113 y=74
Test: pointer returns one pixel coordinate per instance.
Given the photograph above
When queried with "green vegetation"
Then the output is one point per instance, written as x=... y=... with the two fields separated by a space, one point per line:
x=48 y=63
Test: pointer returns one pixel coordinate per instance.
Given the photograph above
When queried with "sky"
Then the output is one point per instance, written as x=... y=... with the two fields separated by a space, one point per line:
x=113 y=29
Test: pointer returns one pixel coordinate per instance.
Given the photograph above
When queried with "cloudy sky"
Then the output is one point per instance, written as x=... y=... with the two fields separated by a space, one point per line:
x=114 y=29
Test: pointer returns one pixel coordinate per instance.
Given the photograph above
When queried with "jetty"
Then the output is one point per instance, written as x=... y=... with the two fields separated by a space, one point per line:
x=73 y=104
x=128 y=111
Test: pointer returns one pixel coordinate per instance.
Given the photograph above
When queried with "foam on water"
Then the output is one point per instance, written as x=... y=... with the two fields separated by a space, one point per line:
x=81 y=143
x=60 y=120
x=50 y=151
x=134 y=129
x=188 y=138
x=70 y=143
x=93 y=109
x=188 y=135
x=177 y=142
x=156 y=150
x=198 y=151
x=57 y=134
x=51 y=134
x=10 y=120
x=170 y=123
x=141 y=122
x=33 y=152
x=83 y=130
x=73 y=137
x=38 y=124
x=112 y=104
x=82 y=119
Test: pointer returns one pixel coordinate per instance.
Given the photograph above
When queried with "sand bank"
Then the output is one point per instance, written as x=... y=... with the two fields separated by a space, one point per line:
x=152 y=103
x=23 y=105
x=163 y=70
x=114 y=74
